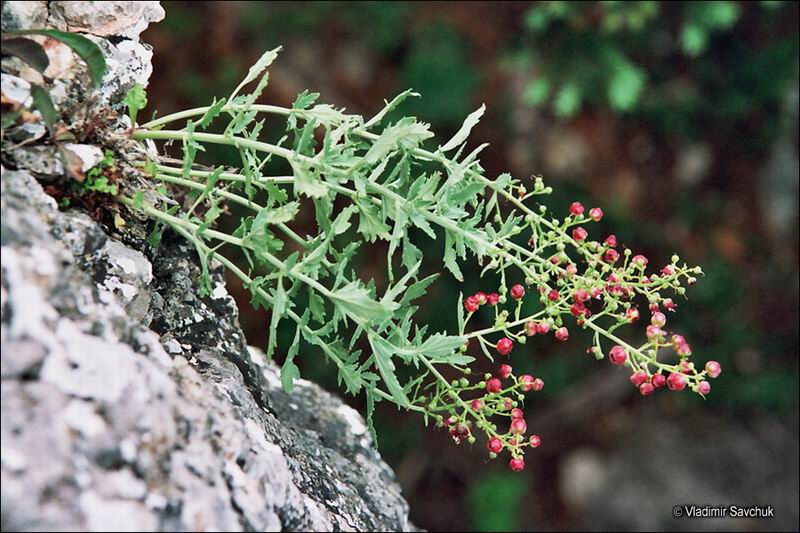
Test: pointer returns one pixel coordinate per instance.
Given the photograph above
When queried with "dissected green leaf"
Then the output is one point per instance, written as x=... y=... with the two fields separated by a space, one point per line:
x=356 y=302
x=383 y=352
x=289 y=370
x=135 y=100
x=466 y=128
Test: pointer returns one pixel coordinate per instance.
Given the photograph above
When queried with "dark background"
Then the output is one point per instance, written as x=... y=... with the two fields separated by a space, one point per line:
x=681 y=121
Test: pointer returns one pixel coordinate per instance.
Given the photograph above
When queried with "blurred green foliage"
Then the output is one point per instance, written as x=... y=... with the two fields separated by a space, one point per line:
x=495 y=501
x=677 y=64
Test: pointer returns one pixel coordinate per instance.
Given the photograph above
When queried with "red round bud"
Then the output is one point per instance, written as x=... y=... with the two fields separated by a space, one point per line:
x=668 y=271
x=538 y=384
x=517 y=291
x=481 y=297
x=518 y=426
x=658 y=380
x=611 y=255
x=553 y=295
x=543 y=327
x=637 y=378
x=632 y=314
x=676 y=381
x=526 y=382
x=535 y=441
x=618 y=355
x=713 y=369
x=492 y=298
x=530 y=328
x=505 y=345
x=517 y=413
x=471 y=304
x=639 y=260
x=646 y=389
x=581 y=295
x=477 y=405
x=658 y=319
x=684 y=349
x=596 y=214
x=704 y=387
x=579 y=234
x=654 y=332
x=576 y=208
x=505 y=371
x=562 y=334
x=611 y=241
x=495 y=445
x=517 y=464
x=494 y=386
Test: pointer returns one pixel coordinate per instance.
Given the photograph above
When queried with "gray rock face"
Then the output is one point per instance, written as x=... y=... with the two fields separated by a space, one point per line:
x=103 y=429
x=131 y=403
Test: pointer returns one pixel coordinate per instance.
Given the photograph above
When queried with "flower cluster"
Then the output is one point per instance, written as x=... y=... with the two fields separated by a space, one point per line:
x=378 y=179
x=601 y=284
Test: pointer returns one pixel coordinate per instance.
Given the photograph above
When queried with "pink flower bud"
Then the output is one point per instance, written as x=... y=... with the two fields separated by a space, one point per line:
x=618 y=355
x=611 y=241
x=704 y=387
x=596 y=214
x=658 y=380
x=611 y=255
x=505 y=371
x=538 y=384
x=543 y=327
x=713 y=369
x=526 y=382
x=517 y=464
x=518 y=426
x=492 y=298
x=658 y=319
x=494 y=445
x=535 y=441
x=576 y=208
x=562 y=334
x=676 y=381
x=494 y=386
x=639 y=260
x=504 y=346
x=580 y=295
x=579 y=234
x=654 y=332
x=637 y=378
x=517 y=291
